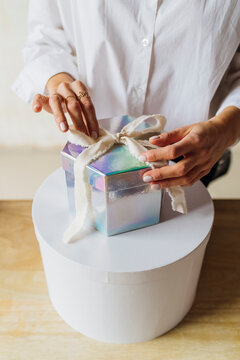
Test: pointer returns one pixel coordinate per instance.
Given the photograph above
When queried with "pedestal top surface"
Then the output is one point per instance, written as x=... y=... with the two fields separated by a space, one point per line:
x=148 y=248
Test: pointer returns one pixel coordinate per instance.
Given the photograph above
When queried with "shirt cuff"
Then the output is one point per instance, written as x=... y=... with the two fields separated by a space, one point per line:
x=232 y=99
x=33 y=78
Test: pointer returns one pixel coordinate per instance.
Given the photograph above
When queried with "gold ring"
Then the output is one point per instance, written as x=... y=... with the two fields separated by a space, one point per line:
x=70 y=96
x=56 y=94
x=83 y=94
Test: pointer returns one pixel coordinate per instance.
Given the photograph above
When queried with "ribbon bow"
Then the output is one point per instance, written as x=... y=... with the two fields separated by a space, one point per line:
x=83 y=220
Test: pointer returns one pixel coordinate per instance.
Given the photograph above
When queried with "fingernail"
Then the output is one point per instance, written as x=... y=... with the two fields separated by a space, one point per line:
x=94 y=135
x=147 y=178
x=155 y=187
x=142 y=158
x=63 y=126
x=154 y=137
x=36 y=107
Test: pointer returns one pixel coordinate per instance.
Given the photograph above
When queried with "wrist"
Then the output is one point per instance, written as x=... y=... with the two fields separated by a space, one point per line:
x=228 y=123
x=56 y=80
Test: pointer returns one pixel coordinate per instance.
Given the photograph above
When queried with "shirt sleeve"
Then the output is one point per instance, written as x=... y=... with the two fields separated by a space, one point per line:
x=46 y=51
x=230 y=86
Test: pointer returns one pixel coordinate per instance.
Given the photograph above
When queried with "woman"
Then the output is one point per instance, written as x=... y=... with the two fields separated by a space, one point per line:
x=179 y=58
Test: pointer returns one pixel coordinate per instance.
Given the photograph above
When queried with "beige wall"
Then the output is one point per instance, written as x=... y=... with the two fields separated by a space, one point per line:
x=18 y=124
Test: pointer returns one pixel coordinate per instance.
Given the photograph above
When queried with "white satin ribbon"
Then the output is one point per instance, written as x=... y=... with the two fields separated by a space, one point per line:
x=83 y=220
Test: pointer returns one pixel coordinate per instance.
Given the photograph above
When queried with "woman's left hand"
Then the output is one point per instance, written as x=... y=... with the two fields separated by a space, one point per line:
x=200 y=144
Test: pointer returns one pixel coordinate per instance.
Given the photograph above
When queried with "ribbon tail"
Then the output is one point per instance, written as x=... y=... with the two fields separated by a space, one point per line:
x=82 y=223
x=176 y=193
x=178 y=199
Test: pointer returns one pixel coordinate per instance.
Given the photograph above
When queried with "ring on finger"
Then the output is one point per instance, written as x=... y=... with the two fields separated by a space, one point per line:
x=82 y=94
x=69 y=96
x=58 y=95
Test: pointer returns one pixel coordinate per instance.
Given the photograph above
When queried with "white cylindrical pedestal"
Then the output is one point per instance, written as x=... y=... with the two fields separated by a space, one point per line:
x=126 y=288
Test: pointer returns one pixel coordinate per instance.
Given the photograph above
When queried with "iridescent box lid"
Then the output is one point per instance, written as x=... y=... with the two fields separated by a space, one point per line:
x=117 y=169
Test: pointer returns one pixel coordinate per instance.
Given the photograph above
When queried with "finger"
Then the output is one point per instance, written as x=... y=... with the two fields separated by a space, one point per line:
x=73 y=106
x=169 y=152
x=187 y=180
x=201 y=175
x=87 y=108
x=170 y=137
x=56 y=102
x=171 y=171
x=39 y=102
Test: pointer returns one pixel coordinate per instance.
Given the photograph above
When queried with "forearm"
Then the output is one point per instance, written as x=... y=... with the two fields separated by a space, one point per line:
x=229 y=121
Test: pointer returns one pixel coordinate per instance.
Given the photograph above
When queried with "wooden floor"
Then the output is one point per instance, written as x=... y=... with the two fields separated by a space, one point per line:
x=31 y=329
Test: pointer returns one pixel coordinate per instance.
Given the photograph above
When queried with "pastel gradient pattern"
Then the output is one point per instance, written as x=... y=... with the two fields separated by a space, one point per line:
x=121 y=201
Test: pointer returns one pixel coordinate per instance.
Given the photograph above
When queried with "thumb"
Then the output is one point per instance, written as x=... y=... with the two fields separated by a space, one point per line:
x=171 y=137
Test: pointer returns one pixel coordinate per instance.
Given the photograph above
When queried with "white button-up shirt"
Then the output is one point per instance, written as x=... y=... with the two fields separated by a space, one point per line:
x=177 y=58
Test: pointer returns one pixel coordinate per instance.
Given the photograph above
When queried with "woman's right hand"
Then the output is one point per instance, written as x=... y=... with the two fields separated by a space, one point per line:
x=68 y=95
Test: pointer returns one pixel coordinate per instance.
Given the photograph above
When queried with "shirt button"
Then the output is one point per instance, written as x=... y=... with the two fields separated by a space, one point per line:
x=145 y=42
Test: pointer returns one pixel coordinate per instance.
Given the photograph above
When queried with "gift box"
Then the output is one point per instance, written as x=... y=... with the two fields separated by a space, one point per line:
x=121 y=201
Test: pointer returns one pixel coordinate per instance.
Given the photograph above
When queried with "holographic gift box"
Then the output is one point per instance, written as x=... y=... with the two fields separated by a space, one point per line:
x=121 y=201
